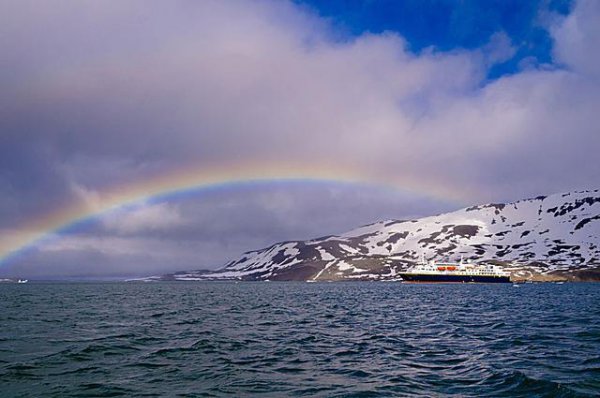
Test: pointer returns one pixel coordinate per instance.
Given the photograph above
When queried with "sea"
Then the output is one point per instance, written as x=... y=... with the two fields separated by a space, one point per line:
x=286 y=339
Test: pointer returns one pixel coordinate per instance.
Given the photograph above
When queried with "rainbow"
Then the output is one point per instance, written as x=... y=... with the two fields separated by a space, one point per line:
x=30 y=234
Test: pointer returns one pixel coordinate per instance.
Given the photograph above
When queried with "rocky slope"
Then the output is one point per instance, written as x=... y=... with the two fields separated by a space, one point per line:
x=544 y=238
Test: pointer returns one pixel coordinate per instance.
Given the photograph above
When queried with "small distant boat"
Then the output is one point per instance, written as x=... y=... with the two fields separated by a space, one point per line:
x=22 y=281
x=516 y=285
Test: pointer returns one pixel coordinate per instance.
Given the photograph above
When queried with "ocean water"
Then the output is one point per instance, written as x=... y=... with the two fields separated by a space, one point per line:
x=299 y=339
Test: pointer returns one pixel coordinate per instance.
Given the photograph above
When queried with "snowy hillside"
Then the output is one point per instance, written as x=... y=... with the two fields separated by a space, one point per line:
x=554 y=235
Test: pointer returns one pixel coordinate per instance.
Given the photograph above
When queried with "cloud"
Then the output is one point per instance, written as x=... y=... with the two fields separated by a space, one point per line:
x=576 y=40
x=207 y=229
x=499 y=48
x=101 y=94
x=154 y=217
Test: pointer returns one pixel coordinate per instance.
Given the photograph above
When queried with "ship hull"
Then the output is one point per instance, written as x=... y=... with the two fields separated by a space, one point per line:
x=445 y=278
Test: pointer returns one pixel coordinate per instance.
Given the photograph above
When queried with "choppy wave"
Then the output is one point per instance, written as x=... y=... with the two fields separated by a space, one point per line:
x=297 y=339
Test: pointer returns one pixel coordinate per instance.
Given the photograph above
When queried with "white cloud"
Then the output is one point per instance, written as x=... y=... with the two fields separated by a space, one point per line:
x=499 y=49
x=577 y=39
x=187 y=85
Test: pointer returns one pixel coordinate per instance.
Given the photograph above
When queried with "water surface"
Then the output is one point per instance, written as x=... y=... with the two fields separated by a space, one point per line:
x=299 y=339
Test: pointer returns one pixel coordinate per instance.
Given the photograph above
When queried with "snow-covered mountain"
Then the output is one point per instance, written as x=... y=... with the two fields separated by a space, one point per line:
x=557 y=236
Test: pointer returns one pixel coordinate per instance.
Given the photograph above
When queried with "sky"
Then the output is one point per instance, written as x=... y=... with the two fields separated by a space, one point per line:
x=145 y=137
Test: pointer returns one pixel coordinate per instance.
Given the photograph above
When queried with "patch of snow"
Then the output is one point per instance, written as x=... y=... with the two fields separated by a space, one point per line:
x=325 y=256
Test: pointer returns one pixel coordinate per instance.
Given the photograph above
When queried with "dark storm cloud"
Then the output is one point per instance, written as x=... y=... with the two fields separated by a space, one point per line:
x=98 y=94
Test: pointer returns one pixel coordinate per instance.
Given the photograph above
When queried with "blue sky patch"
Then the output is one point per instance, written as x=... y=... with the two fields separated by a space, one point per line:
x=452 y=24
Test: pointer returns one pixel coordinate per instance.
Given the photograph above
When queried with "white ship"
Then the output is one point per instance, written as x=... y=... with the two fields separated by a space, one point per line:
x=455 y=272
